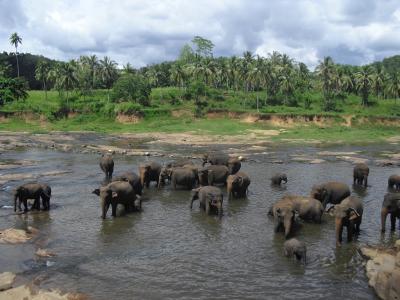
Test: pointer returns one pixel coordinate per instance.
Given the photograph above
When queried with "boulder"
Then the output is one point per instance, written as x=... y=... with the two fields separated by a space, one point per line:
x=6 y=280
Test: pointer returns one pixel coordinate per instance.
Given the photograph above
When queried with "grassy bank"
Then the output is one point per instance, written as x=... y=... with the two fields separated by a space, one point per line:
x=95 y=113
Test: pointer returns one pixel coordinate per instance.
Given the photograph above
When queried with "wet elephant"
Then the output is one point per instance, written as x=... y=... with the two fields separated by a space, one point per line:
x=149 y=172
x=178 y=163
x=307 y=208
x=278 y=178
x=210 y=198
x=165 y=174
x=360 y=174
x=35 y=191
x=133 y=179
x=390 y=205
x=284 y=215
x=394 y=182
x=216 y=159
x=237 y=185
x=295 y=248
x=347 y=214
x=234 y=165
x=118 y=192
x=107 y=165
x=330 y=192
x=184 y=177
x=214 y=174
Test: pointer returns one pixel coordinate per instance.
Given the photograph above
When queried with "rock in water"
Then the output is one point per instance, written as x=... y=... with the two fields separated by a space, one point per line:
x=6 y=280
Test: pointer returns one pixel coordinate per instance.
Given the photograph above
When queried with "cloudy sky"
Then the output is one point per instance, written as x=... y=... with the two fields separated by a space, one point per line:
x=147 y=31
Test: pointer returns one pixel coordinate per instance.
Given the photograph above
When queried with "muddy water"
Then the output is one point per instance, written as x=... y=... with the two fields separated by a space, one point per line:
x=170 y=252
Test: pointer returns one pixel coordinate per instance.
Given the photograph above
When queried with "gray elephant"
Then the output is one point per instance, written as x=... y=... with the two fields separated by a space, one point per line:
x=390 y=205
x=234 y=165
x=295 y=248
x=278 y=178
x=347 y=214
x=133 y=179
x=330 y=192
x=35 y=191
x=210 y=198
x=165 y=174
x=107 y=165
x=216 y=159
x=307 y=208
x=214 y=174
x=149 y=172
x=394 y=182
x=237 y=184
x=360 y=174
x=118 y=192
x=284 y=215
x=184 y=177
x=178 y=163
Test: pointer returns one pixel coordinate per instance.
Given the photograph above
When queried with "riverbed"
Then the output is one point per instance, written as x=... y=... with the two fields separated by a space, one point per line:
x=171 y=252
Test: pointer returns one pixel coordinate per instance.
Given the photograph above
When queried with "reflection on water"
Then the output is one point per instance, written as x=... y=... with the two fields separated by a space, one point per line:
x=171 y=252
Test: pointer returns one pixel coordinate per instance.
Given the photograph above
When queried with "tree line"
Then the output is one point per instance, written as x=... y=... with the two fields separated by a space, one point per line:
x=279 y=78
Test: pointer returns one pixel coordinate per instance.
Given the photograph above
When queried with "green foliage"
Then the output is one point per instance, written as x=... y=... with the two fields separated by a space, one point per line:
x=133 y=88
x=128 y=108
x=12 y=89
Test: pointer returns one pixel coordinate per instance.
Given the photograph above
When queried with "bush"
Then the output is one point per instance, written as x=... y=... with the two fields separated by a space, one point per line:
x=128 y=108
x=131 y=87
x=12 y=89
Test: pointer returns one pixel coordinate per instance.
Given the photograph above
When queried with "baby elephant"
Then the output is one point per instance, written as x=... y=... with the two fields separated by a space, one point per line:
x=360 y=174
x=394 y=182
x=210 y=198
x=237 y=184
x=295 y=248
x=107 y=165
x=278 y=178
x=34 y=191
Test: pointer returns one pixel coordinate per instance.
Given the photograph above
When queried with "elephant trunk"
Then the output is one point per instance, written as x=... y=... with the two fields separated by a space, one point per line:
x=229 y=190
x=160 y=181
x=384 y=213
x=339 y=230
x=15 y=202
x=219 y=207
x=103 y=208
x=287 y=223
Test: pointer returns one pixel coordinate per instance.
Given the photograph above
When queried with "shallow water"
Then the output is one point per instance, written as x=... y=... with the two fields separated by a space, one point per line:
x=170 y=252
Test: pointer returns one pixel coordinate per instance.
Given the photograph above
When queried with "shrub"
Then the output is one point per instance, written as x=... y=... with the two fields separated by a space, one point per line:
x=131 y=87
x=128 y=108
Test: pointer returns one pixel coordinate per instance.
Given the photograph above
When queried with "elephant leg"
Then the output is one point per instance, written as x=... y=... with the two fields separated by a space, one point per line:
x=25 y=202
x=358 y=225
x=148 y=183
x=277 y=226
x=114 y=209
x=365 y=181
x=208 y=208
x=350 y=229
x=392 y=222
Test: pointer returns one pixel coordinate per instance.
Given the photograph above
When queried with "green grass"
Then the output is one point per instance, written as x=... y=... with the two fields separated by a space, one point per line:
x=96 y=113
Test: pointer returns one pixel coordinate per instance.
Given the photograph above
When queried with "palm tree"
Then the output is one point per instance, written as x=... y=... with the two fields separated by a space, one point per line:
x=15 y=39
x=128 y=69
x=364 y=79
x=41 y=73
x=108 y=73
x=326 y=72
x=68 y=79
x=379 y=81
x=393 y=87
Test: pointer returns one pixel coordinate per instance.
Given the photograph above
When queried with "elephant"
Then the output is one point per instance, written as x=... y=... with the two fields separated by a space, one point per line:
x=210 y=198
x=360 y=174
x=394 y=182
x=278 y=178
x=390 y=205
x=184 y=177
x=295 y=248
x=107 y=165
x=347 y=213
x=34 y=191
x=234 y=165
x=149 y=172
x=330 y=192
x=307 y=208
x=118 y=192
x=178 y=163
x=216 y=159
x=237 y=184
x=213 y=174
x=133 y=179
x=284 y=215
x=165 y=174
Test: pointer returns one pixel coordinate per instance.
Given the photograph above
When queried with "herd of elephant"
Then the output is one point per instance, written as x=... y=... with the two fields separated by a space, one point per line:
x=220 y=169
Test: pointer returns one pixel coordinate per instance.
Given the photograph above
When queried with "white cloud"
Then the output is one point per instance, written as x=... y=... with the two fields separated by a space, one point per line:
x=143 y=32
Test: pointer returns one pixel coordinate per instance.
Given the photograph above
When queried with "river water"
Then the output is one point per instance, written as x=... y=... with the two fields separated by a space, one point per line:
x=170 y=252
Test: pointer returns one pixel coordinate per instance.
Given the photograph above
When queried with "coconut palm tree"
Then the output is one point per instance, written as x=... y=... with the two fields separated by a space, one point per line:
x=41 y=74
x=128 y=69
x=108 y=73
x=326 y=72
x=393 y=87
x=68 y=79
x=15 y=40
x=364 y=80
x=379 y=79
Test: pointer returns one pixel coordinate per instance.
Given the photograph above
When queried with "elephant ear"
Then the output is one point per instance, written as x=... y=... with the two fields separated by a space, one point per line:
x=331 y=210
x=96 y=192
x=278 y=212
x=353 y=214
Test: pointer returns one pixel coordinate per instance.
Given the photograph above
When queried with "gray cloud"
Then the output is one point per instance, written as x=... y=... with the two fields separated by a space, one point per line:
x=144 y=32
